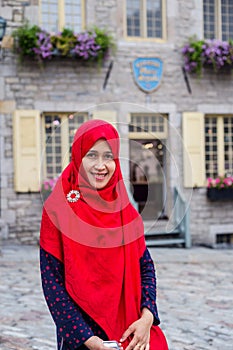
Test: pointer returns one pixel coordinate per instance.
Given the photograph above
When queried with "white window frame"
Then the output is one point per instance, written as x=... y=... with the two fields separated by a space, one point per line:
x=143 y=29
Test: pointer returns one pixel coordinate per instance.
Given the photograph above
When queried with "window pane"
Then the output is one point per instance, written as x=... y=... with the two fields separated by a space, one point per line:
x=53 y=154
x=54 y=133
x=73 y=15
x=227 y=18
x=147 y=123
x=228 y=145
x=209 y=19
x=211 y=155
x=49 y=15
x=133 y=17
x=154 y=19
x=74 y=123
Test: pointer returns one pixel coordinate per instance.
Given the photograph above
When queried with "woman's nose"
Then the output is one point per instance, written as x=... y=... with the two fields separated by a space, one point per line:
x=100 y=164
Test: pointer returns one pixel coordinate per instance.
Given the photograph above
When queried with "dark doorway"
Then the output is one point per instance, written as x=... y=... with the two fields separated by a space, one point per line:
x=147 y=159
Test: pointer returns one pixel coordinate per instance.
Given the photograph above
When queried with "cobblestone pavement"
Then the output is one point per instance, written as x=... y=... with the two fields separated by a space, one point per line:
x=195 y=299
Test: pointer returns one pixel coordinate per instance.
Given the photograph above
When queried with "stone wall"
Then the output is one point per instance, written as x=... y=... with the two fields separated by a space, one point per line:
x=209 y=218
x=20 y=212
x=64 y=85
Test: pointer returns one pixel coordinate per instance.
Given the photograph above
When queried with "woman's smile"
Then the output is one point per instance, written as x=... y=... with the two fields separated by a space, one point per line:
x=98 y=176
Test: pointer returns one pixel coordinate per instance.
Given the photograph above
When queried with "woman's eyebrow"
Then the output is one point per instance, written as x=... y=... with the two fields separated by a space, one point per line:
x=94 y=151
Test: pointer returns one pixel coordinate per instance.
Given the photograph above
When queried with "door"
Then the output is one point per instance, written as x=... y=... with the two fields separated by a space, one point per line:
x=147 y=176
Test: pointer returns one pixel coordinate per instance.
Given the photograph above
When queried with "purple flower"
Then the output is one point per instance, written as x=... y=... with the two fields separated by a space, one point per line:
x=214 y=53
x=44 y=46
x=86 y=46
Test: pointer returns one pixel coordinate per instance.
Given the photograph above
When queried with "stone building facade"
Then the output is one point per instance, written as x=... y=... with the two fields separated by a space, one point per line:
x=63 y=87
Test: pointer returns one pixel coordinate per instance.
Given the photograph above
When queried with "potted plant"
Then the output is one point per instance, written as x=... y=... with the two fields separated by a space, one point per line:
x=220 y=188
x=215 y=54
x=47 y=186
x=91 y=45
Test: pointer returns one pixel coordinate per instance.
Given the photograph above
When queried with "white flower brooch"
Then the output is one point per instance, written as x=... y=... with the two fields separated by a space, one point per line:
x=73 y=196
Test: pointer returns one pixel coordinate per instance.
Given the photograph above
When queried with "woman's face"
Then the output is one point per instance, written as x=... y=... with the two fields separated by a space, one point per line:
x=99 y=164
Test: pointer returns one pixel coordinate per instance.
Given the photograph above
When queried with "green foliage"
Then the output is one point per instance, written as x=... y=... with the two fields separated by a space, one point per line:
x=25 y=39
x=196 y=55
x=63 y=43
x=105 y=41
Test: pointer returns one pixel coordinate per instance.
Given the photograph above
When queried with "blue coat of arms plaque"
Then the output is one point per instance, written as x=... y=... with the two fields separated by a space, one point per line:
x=148 y=73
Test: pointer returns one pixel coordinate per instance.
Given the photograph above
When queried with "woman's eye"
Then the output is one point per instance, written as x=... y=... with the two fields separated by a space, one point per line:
x=91 y=155
x=109 y=156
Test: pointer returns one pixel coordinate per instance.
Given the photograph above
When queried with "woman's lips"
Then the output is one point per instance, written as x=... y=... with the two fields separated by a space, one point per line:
x=99 y=177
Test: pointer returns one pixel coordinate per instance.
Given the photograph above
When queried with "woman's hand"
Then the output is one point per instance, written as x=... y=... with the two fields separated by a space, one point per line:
x=95 y=343
x=140 y=332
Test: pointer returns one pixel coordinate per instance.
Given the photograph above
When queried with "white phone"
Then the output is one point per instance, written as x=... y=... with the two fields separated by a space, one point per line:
x=112 y=344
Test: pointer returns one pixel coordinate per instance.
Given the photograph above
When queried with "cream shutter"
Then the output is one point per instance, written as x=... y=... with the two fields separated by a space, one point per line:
x=27 y=140
x=193 y=150
x=108 y=116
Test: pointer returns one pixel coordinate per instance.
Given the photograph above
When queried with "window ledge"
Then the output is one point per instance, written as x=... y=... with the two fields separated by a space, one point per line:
x=144 y=43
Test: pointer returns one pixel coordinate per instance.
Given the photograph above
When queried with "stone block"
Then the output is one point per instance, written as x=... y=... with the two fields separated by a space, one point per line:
x=6 y=12
x=4 y=232
x=31 y=88
x=19 y=204
x=12 y=80
x=8 y=216
x=7 y=107
x=31 y=13
x=2 y=89
x=3 y=181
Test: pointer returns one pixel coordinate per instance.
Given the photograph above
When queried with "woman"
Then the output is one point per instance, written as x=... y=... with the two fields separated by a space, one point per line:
x=98 y=277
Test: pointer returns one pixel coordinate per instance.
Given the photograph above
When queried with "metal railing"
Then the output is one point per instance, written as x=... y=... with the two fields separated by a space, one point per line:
x=179 y=234
x=182 y=218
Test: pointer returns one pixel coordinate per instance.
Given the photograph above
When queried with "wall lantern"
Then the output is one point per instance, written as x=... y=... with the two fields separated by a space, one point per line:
x=2 y=27
x=2 y=33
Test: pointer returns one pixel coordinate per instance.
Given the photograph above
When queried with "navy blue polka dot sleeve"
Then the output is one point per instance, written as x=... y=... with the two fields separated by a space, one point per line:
x=148 y=281
x=74 y=326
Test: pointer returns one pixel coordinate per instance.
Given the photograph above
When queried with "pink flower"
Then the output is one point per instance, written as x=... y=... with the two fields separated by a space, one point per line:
x=220 y=182
x=209 y=182
x=46 y=186
x=49 y=184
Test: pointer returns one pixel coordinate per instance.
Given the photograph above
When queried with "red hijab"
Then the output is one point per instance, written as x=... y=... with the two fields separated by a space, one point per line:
x=99 y=237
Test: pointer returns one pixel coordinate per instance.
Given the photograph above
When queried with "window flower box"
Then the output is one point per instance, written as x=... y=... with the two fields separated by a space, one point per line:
x=214 y=54
x=223 y=194
x=220 y=189
x=89 y=46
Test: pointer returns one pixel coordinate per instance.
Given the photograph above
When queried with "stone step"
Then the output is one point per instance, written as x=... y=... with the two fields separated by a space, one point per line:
x=162 y=233
x=164 y=242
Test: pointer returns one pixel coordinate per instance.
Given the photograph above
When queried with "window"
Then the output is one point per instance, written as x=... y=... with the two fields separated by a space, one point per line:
x=148 y=125
x=218 y=19
x=57 y=14
x=58 y=133
x=145 y=18
x=218 y=145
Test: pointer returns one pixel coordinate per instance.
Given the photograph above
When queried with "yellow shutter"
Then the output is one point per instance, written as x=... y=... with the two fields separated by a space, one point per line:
x=27 y=140
x=194 y=152
x=108 y=116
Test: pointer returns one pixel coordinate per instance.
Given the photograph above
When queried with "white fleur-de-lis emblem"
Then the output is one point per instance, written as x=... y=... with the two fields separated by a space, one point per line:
x=73 y=196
